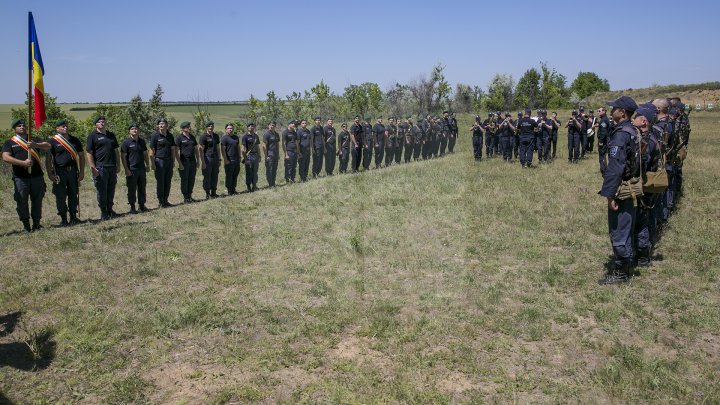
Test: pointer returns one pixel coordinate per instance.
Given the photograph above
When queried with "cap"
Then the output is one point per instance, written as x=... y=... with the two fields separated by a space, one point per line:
x=16 y=123
x=134 y=125
x=185 y=124
x=250 y=124
x=624 y=102
x=161 y=120
x=318 y=118
x=209 y=124
x=60 y=123
x=648 y=111
x=446 y=112
x=98 y=118
x=290 y=122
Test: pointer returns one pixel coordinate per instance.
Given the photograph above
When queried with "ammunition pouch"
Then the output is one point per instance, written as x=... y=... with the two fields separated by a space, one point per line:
x=632 y=188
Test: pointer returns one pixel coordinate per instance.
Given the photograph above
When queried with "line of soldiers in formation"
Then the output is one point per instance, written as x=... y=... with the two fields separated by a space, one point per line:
x=520 y=138
x=66 y=158
x=641 y=161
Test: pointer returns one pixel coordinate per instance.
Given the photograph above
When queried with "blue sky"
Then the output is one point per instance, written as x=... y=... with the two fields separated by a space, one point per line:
x=226 y=50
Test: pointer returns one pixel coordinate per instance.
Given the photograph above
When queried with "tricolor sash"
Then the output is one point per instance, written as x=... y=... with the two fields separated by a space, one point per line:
x=24 y=144
x=67 y=145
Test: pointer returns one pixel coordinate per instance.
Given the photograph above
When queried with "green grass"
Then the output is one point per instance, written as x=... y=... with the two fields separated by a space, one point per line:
x=436 y=282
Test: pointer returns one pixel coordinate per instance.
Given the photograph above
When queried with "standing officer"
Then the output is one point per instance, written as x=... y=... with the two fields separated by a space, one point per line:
x=645 y=117
x=356 y=136
x=271 y=149
x=506 y=131
x=453 y=133
x=290 y=145
x=344 y=141
x=187 y=154
x=477 y=138
x=210 y=147
x=65 y=165
x=318 y=151
x=409 y=139
x=667 y=141
x=584 y=123
x=162 y=151
x=526 y=132
x=445 y=132
x=554 y=133
x=136 y=163
x=27 y=174
x=516 y=135
x=603 y=131
x=104 y=160
x=367 y=143
x=379 y=141
x=591 y=128
x=427 y=134
x=417 y=138
x=251 y=157
x=622 y=170
x=402 y=130
x=230 y=149
x=390 y=138
x=330 y=149
x=305 y=140
x=574 y=127
x=490 y=127
x=543 y=144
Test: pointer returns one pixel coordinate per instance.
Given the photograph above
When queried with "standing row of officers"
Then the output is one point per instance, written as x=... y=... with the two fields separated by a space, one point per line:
x=66 y=158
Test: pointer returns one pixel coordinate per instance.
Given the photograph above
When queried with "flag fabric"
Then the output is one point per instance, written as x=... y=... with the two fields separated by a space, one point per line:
x=37 y=71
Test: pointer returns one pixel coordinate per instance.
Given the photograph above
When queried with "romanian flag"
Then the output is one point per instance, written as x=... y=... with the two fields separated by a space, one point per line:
x=36 y=72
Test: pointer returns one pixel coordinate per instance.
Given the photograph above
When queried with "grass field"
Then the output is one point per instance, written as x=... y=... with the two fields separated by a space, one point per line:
x=445 y=281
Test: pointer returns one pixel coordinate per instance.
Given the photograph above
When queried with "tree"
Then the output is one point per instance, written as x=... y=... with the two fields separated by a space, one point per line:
x=500 y=91
x=294 y=106
x=272 y=108
x=399 y=102
x=320 y=96
x=527 y=91
x=430 y=95
x=254 y=111
x=553 y=93
x=464 y=98
x=363 y=98
x=588 y=83
x=53 y=113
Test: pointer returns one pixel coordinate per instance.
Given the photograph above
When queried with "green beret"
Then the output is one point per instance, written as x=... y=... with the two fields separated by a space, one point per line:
x=60 y=123
x=209 y=124
x=133 y=125
x=291 y=122
x=185 y=124
x=16 y=123
x=98 y=118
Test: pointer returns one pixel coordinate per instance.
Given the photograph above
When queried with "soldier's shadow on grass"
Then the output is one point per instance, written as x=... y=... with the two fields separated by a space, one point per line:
x=5 y=400
x=8 y=323
x=36 y=353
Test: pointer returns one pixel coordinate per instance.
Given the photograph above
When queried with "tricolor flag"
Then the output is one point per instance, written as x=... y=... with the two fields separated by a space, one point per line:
x=36 y=72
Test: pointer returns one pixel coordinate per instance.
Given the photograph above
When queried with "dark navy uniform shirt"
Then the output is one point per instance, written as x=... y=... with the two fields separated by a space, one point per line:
x=526 y=126
x=317 y=136
x=357 y=130
x=344 y=140
x=230 y=143
x=271 y=140
x=162 y=145
x=367 y=130
x=379 y=130
x=18 y=152
x=61 y=156
x=619 y=145
x=251 y=142
x=330 y=136
x=102 y=148
x=305 y=137
x=416 y=133
x=135 y=153
x=210 y=142
x=289 y=140
x=187 y=146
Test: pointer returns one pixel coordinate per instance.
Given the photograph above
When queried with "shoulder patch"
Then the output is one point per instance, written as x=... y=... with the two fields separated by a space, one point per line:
x=613 y=151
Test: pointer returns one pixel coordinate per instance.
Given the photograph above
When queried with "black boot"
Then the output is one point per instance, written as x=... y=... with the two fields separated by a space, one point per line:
x=36 y=225
x=143 y=208
x=132 y=209
x=618 y=275
x=74 y=219
x=643 y=257
x=64 y=220
x=26 y=226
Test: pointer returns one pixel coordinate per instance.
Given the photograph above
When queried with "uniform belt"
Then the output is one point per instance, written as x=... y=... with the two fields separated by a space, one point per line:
x=67 y=168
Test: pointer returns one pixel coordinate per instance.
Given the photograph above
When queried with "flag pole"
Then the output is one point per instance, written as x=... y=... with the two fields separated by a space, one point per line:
x=28 y=127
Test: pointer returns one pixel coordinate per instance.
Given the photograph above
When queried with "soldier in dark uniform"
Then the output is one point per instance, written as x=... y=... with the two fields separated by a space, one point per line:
x=427 y=135
x=490 y=127
x=305 y=141
x=554 y=134
x=417 y=133
x=329 y=138
x=379 y=142
x=622 y=166
x=291 y=145
x=402 y=129
x=390 y=137
x=136 y=163
x=645 y=117
x=65 y=165
x=162 y=151
x=516 y=135
x=477 y=138
x=318 y=151
x=498 y=146
x=603 y=131
x=445 y=132
x=453 y=133
x=27 y=174
x=583 y=118
x=591 y=126
x=367 y=143
x=526 y=132
x=574 y=127
x=356 y=135
x=667 y=141
x=344 y=141
x=543 y=136
x=506 y=133
x=250 y=147
x=210 y=147
x=271 y=149
x=103 y=158
x=187 y=154
x=230 y=150
x=409 y=139
x=438 y=130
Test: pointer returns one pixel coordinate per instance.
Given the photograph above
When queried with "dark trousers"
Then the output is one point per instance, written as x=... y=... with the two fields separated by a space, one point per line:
x=408 y=151
x=620 y=226
x=210 y=174
x=232 y=171
x=527 y=147
x=29 y=190
x=496 y=144
x=329 y=159
x=356 y=157
x=399 y=142
x=317 y=161
x=506 y=147
x=251 y=173
x=489 y=145
x=436 y=146
x=304 y=163
x=553 y=142
x=545 y=141
x=163 y=177
x=389 y=152
x=66 y=190
x=443 y=145
x=583 y=143
x=187 y=178
x=451 y=142
x=516 y=145
x=477 y=142
x=105 y=183
x=344 y=157
x=290 y=166
x=379 y=153
x=367 y=156
x=136 y=183
x=417 y=149
x=590 y=143
x=669 y=194
x=645 y=221
x=573 y=147
x=271 y=165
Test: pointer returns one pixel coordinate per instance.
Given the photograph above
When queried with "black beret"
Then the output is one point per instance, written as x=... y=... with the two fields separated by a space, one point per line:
x=209 y=124
x=161 y=120
x=318 y=118
x=250 y=124
x=132 y=125
x=185 y=124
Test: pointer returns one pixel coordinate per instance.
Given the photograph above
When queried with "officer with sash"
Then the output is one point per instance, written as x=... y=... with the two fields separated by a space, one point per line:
x=103 y=157
x=27 y=174
x=65 y=165
x=136 y=163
